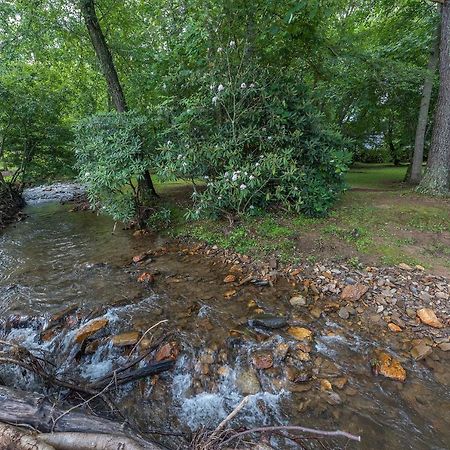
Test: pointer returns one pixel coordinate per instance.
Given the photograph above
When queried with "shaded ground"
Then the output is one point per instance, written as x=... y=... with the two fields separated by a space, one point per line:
x=10 y=204
x=379 y=221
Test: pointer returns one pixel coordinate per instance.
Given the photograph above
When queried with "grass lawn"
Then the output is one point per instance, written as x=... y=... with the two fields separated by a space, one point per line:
x=378 y=221
x=376 y=176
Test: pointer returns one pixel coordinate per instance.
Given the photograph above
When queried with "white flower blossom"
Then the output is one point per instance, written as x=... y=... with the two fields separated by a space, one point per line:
x=242 y=187
x=257 y=164
x=243 y=86
x=269 y=138
x=179 y=156
x=252 y=85
x=220 y=88
x=234 y=177
x=252 y=207
x=215 y=99
x=219 y=50
x=86 y=174
x=184 y=163
x=251 y=177
x=219 y=197
x=169 y=142
x=232 y=44
x=226 y=174
x=212 y=87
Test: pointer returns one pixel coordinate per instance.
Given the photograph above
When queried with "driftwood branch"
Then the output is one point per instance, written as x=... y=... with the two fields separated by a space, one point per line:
x=304 y=430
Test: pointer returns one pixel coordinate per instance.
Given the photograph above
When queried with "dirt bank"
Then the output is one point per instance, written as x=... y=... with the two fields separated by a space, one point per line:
x=10 y=204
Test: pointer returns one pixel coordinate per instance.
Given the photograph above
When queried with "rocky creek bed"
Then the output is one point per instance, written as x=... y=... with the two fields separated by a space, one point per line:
x=324 y=346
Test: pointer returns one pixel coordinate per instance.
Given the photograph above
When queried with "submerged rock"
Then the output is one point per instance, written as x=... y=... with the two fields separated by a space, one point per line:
x=262 y=360
x=420 y=351
x=300 y=333
x=268 y=321
x=247 y=382
x=297 y=301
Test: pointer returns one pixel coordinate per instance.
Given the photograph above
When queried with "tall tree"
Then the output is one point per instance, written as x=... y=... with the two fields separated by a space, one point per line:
x=436 y=180
x=108 y=68
x=415 y=174
x=103 y=54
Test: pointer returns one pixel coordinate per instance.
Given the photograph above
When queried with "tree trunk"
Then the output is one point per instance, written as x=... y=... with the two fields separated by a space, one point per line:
x=436 y=180
x=417 y=160
x=109 y=71
x=103 y=54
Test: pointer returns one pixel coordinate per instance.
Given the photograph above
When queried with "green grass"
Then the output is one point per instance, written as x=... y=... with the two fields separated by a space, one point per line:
x=386 y=224
x=375 y=176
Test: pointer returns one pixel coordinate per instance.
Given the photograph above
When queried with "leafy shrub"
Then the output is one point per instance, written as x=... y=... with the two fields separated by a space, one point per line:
x=112 y=158
x=255 y=137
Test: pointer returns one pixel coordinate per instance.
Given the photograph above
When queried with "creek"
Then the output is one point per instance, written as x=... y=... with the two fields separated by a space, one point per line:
x=56 y=258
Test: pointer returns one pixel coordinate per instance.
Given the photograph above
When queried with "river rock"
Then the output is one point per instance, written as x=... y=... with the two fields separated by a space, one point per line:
x=300 y=333
x=343 y=313
x=124 y=339
x=297 y=301
x=421 y=351
x=394 y=327
x=389 y=367
x=316 y=312
x=146 y=277
x=90 y=329
x=247 y=382
x=229 y=278
x=333 y=398
x=428 y=317
x=262 y=360
x=353 y=292
x=340 y=382
x=444 y=346
x=167 y=351
x=268 y=321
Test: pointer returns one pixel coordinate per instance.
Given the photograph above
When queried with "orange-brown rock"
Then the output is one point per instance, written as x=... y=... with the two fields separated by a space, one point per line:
x=428 y=317
x=146 y=277
x=389 y=367
x=139 y=258
x=230 y=293
x=300 y=333
x=167 y=351
x=124 y=339
x=263 y=360
x=325 y=385
x=353 y=292
x=394 y=327
x=90 y=329
x=229 y=278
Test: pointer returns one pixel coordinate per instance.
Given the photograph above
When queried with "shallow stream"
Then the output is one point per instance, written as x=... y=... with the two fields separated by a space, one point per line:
x=56 y=258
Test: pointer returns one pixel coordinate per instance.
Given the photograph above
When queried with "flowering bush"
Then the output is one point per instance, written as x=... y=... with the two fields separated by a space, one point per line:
x=255 y=137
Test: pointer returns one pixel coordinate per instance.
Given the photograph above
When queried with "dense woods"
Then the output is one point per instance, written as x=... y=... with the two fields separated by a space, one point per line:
x=263 y=103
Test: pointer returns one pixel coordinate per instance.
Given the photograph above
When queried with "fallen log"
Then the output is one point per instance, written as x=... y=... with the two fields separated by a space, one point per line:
x=88 y=441
x=36 y=411
x=13 y=438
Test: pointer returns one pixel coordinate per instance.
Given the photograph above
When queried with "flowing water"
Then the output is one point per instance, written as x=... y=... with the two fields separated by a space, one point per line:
x=56 y=258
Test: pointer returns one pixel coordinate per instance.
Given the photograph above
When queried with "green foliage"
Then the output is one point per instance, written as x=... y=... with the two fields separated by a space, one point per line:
x=256 y=138
x=111 y=159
